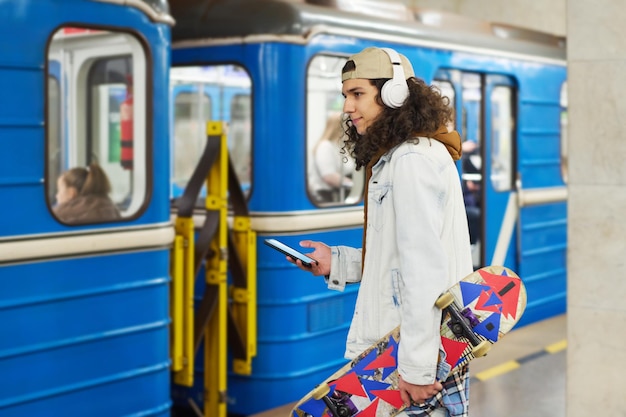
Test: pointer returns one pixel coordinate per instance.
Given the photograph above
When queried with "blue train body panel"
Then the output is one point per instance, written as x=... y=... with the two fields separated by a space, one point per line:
x=95 y=329
x=86 y=329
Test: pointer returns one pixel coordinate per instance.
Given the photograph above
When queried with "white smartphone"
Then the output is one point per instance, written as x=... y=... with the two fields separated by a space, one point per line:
x=289 y=251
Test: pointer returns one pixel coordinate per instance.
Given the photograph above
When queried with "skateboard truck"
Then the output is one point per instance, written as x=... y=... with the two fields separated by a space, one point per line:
x=334 y=402
x=461 y=323
x=337 y=410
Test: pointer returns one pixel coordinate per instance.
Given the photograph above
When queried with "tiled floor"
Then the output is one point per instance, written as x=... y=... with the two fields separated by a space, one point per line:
x=522 y=376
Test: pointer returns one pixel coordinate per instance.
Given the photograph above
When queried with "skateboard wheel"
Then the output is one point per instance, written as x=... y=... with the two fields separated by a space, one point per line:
x=444 y=301
x=321 y=391
x=481 y=349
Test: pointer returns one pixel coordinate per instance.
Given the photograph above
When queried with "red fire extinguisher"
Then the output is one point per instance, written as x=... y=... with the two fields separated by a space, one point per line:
x=126 y=127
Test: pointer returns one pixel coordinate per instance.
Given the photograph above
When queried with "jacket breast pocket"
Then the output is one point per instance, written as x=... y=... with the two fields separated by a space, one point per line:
x=379 y=201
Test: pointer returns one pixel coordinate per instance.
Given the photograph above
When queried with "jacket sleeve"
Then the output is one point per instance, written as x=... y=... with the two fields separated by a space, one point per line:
x=345 y=267
x=419 y=201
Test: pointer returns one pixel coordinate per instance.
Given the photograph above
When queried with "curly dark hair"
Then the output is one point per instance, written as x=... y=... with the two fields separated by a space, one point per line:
x=423 y=112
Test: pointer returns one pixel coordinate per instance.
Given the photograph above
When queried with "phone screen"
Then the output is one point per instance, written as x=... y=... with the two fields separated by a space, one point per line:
x=289 y=251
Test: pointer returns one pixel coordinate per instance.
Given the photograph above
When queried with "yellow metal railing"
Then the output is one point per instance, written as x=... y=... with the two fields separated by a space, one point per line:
x=244 y=306
x=215 y=336
x=218 y=249
x=182 y=302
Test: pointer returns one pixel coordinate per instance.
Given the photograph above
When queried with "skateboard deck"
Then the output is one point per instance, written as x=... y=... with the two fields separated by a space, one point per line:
x=476 y=312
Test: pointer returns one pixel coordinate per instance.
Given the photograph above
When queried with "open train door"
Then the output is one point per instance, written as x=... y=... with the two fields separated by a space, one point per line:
x=484 y=116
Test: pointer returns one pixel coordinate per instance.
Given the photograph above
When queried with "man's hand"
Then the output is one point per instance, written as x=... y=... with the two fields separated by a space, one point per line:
x=417 y=394
x=321 y=254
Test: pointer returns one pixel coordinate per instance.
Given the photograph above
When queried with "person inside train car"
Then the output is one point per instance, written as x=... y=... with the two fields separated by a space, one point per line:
x=330 y=175
x=416 y=239
x=83 y=196
x=470 y=163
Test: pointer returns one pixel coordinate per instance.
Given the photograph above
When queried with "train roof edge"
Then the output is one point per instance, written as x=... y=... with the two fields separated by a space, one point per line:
x=220 y=19
x=156 y=10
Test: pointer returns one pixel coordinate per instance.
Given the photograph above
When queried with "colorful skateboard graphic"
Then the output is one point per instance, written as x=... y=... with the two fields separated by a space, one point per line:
x=477 y=312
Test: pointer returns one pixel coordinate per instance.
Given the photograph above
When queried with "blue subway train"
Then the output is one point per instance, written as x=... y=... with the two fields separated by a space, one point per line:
x=146 y=315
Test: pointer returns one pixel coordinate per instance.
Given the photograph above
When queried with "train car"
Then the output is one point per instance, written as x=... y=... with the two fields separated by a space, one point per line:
x=84 y=299
x=507 y=87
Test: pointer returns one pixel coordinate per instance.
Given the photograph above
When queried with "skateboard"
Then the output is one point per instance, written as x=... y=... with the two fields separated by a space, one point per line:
x=476 y=312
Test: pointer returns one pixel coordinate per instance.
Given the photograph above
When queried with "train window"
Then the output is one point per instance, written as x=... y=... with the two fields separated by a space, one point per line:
x=501 y=138
x=96 y=126
x=192 y=107
x=447 y=90
x=472 y=108
x=210 y=93
x=471 y=131
x=239 y=136
x=564 y=123
x=331 y=176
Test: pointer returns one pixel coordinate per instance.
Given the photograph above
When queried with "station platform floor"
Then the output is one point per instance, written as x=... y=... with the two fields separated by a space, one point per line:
x=523 y=375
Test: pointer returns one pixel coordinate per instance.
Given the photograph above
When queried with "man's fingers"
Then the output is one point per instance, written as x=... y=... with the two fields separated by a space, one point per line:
x=406 y=398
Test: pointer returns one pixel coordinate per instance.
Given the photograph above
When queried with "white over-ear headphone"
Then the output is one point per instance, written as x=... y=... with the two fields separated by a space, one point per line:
x=395 y=90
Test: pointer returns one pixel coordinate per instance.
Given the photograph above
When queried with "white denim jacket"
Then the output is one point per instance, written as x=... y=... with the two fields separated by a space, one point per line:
x=417 y=245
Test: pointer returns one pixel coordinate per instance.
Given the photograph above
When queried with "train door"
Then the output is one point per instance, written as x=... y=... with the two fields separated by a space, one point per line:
x=201 y=94
x=484 y=116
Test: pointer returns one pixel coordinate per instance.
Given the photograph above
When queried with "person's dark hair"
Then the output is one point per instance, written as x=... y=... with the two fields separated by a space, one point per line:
x=88 y=181
x=423 y=112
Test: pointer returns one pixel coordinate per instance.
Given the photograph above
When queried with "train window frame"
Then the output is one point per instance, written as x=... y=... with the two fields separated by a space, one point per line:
x=56 y=159
x=90 y=118
x=323 y=76
x=204 y=78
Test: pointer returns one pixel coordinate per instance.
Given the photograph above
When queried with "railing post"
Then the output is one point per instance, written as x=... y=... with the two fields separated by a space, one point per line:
x=215 y=336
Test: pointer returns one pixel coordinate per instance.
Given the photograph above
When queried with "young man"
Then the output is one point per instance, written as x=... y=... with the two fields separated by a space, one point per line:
x=416 y=240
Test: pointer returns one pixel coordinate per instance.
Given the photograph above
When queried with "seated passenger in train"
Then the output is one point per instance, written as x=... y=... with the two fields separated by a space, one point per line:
x=83 y=196
x=330 y=177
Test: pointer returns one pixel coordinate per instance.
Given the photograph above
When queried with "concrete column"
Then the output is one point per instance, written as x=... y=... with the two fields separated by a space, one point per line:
x=596 y=39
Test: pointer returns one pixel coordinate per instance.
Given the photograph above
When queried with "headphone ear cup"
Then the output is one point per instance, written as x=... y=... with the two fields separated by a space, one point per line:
x=394 y=93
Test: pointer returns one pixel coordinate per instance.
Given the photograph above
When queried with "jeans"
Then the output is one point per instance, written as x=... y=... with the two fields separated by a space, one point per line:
x=439 y=412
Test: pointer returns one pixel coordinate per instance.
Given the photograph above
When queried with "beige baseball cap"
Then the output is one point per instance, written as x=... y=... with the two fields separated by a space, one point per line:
x=372 y=63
